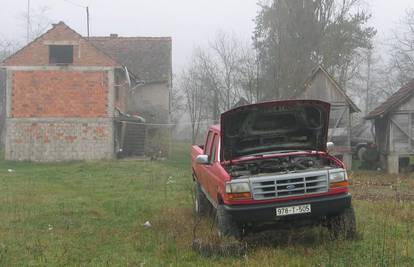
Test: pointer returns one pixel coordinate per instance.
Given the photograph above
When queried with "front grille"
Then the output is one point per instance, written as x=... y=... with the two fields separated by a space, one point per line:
x=287 y=185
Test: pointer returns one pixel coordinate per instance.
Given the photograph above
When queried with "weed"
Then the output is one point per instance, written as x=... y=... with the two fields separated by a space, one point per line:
x=97 y=210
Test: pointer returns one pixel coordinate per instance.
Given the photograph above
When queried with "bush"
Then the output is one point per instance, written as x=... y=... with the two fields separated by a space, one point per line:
x=157 y=143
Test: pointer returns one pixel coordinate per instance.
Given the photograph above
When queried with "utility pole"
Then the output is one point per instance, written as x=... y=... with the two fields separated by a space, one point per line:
x=368 y=88
x=28 y=22
x=258 y=95
x=87 y=19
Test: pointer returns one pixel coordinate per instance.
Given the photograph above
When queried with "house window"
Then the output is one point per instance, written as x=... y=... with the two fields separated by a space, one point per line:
x=60 y=54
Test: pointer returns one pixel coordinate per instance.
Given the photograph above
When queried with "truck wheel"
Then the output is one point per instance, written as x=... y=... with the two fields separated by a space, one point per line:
x=226 y=225
x=201 y=204
x=343 y=225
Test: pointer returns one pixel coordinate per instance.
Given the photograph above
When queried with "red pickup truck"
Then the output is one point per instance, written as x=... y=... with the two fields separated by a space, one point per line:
x=267 y=165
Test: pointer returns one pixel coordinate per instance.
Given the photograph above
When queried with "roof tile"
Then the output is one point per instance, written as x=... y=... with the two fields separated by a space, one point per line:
x=148 y=58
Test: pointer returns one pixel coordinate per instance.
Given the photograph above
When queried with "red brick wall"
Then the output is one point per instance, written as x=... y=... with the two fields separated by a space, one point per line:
x=37 y=53
x=59 y=94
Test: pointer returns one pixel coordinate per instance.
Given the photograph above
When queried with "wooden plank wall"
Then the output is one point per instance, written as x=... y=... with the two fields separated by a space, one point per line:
x=322 y=88
x=402 y=129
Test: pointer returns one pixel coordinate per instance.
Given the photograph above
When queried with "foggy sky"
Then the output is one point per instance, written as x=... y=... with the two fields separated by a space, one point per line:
x=190 y=23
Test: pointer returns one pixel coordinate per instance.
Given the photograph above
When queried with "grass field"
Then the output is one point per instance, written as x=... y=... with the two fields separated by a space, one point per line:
x=92 y=214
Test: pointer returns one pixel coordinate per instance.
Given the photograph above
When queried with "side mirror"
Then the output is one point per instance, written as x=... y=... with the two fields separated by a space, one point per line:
x=202 y=159
x=330 y=146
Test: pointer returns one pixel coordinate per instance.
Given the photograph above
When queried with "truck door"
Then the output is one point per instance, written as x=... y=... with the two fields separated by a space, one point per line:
x=201 y=174
x=212 y=170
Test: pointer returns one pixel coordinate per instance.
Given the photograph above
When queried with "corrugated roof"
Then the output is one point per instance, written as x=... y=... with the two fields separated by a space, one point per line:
x=393 y=101
x=148 y=58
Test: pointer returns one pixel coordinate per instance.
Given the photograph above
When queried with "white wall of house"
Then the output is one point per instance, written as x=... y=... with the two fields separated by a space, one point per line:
x=152 y=101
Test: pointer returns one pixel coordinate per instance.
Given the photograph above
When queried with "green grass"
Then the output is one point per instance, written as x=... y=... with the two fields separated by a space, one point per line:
x=92 y=214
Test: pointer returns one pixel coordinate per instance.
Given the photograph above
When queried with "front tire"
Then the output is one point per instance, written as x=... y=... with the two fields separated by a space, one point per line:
x=343 y=225
x=226 y=225
x=201 y=204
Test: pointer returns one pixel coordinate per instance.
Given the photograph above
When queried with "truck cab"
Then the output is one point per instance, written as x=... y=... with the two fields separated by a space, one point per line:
x=268 y=165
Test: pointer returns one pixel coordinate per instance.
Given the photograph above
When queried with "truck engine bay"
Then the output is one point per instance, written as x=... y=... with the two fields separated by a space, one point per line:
x=279 y=165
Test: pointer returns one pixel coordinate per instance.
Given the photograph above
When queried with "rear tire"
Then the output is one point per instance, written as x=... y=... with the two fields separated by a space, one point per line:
x=201 y=204
x=343 y=226
x=226 y=224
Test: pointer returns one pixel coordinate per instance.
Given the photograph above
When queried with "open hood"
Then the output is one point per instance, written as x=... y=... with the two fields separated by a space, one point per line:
x=274 y=126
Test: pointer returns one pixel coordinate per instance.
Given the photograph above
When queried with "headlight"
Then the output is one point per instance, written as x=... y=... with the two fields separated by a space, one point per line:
x=336 y=176
x=239 y=190
x=237 y=187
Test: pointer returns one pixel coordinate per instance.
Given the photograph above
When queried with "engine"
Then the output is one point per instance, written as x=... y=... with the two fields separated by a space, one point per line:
x=279 y=165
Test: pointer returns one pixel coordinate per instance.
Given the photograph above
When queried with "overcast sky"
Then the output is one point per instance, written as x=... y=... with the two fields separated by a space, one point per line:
x=190 y=23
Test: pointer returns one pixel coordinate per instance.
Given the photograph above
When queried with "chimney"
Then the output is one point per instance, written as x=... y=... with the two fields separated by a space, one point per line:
x=113 y=35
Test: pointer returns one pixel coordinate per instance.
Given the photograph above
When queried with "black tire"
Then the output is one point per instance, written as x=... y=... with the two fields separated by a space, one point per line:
x=226 y=225
x=201 y=204
x=343 y=226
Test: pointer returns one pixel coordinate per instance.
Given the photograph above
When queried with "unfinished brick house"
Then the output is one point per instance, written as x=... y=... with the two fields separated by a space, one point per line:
x=67 y=96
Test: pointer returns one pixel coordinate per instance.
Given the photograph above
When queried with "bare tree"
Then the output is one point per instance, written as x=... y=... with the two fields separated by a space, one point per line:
x=372 y=81
x=7 y=47
x=249 y=76
x=380 y=77
x=177 y=104
x=219 y=75
x=209 y=77
x=35 y=21
x=228 y=59
x=196 y=98
x=228 y=69
x=402 y=50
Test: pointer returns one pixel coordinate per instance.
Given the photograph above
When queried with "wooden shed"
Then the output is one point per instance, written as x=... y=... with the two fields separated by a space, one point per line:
x=322 y=86
x=394 y=129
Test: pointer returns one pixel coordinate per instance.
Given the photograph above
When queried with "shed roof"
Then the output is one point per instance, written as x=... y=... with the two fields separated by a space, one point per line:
x=148 y=58
x=394 y=101
x=320 y=69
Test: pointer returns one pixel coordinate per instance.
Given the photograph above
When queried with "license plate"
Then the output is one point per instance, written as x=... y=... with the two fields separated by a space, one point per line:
x=293 y=210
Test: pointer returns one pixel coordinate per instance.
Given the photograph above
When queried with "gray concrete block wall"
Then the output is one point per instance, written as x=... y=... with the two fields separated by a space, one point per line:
x=37 y=139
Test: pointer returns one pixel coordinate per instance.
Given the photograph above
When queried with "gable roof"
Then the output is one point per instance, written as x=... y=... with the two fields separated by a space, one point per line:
x=148 y=58
x=353 y=106
x=53 y=31
x=393 y=101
